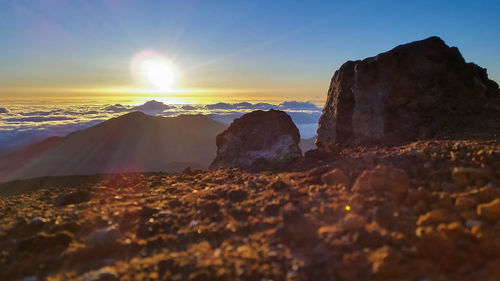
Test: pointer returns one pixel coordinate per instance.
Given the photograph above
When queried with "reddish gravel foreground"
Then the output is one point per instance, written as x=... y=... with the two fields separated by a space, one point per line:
x=429 y=210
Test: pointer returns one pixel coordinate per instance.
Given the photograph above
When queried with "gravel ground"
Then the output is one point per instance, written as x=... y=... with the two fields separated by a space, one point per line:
x=428 y=210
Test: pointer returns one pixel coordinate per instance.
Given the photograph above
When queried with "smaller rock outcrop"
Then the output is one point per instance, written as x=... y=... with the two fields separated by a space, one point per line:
x=258 y=140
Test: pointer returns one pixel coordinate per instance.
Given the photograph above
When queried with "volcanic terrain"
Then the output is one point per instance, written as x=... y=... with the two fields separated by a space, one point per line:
x=404 y=185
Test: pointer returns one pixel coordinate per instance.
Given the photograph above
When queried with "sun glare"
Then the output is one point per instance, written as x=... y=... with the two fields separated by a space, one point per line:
x=153 y=71
x=159 y=74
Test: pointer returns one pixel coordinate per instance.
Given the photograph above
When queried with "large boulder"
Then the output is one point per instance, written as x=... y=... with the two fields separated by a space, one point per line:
x=258 y=140
x=419 y=90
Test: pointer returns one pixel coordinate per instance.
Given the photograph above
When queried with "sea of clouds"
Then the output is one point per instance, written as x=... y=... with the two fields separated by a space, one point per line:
x=23 y=124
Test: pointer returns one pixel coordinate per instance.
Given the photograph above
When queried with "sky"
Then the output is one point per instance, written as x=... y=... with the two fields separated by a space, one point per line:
x=221 y=49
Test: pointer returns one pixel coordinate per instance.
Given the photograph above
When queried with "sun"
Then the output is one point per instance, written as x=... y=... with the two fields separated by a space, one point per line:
x=153 y=70
x=158 y=73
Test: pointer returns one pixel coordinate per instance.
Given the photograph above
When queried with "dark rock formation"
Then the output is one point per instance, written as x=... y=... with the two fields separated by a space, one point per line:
x=419 y=90
x=258 y=140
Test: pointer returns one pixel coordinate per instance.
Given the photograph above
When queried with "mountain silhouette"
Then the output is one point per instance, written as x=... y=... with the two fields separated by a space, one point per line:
x=134 y=142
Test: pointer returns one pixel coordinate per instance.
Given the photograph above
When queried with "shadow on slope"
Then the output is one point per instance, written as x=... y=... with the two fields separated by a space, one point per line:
x=134 y=142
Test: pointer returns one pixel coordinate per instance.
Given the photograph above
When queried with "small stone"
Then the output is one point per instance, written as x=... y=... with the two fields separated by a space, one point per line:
x=164 y=214
x=147 y=212
x=472 y=223
x=45 y=241
x=105 y=237
x=237 y=195
x=72 y=198
x=486 y=194
x=469 y=215
x=386 y=262
x=296 y=228
x=384 y=215
x=38 y=221
x=465 y=202
x=382 y=178
x=420 y=195
x=238 y=214
x=155 y=184
x=272 y=209
x=432 y=217
x=277 y=184
x=335 y=177
x=164 y=266
x=352 y=222
x=251 y=184
x=107 y=273
x=489 y=211
x=466 y=176
x=449 y=186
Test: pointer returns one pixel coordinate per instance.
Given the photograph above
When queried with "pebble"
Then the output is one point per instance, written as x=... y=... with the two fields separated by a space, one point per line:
x=105 y=236
x=46 y=241
x=107 y=273
x=296 y=228
x=38 y=221
x=271 y=209
x=335 y=177
x=237 y=195
x=386 y=262
x=466 y=176
x=352 y=222
x=382 y=178
x=432 y=217
x=465 y=202
x=277 y=184
x=472 y=223
x=164 y=214
x=489 y=211
x=72 y=198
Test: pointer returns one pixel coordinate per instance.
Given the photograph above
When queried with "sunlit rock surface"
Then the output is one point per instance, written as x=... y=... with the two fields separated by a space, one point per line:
x=419 y=90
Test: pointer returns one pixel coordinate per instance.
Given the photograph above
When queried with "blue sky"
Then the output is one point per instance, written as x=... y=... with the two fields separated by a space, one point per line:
x=273 y=47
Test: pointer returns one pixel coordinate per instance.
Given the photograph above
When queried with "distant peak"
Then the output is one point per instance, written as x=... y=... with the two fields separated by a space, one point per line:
x=133 y=114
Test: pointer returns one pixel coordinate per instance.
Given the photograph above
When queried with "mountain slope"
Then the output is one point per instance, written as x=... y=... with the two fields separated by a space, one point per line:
x=134 y=142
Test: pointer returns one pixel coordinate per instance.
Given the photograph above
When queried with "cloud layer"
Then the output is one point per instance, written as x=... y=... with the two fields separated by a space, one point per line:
x=24 y=124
